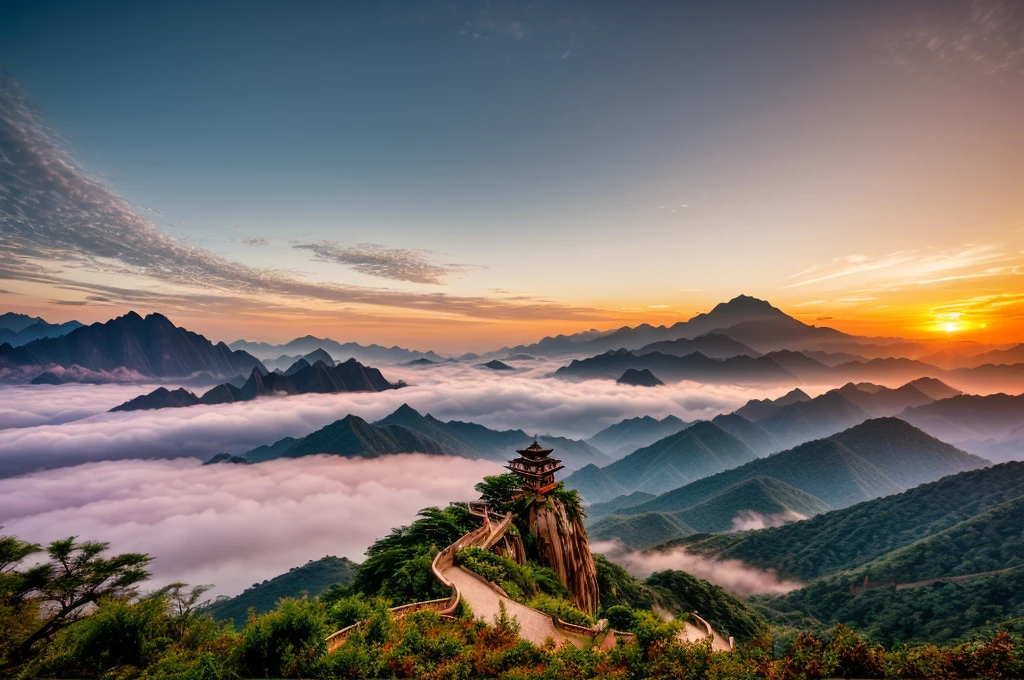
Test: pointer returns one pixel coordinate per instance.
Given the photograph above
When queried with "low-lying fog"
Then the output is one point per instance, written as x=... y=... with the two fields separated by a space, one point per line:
x=49 y=426
x=234 y=525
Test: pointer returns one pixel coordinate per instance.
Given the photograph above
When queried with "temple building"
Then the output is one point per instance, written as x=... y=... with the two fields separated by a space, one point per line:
x=536 y=468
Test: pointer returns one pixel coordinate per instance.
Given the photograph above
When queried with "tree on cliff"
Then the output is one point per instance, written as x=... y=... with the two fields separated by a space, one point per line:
x=48 y=597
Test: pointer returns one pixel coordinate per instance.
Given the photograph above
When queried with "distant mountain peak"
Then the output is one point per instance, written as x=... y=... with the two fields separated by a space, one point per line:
x=406 y=410
x=642 y=378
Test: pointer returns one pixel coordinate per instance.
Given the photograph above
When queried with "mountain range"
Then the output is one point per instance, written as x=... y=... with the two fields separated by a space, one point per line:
x=289 y=364
x=744 y=321
x=787 y=367
x=990 y=426
x=877 y=458
x=908 y=566
x=626 y=436
x=301 y=378
x=150 y=346
x=796 y=417
x=407 y=431
x=20 y=329
x=476 y=441
x=700 y=450
x=695 y=367
x=376 y=354
x=758 y=500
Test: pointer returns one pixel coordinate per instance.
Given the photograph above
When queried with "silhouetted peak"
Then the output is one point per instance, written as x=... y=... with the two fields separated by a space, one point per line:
x=406 y=410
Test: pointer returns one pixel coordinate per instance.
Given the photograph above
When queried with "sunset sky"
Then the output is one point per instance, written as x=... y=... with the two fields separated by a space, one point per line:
x=461 y=176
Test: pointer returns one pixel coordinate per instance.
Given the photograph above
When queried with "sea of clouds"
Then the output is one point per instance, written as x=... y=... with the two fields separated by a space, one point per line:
x=234 y=525
x=53 y=426
x=69 y=467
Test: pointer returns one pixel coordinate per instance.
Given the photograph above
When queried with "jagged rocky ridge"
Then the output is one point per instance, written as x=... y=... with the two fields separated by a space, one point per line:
x=318 y=378
x=150 y=346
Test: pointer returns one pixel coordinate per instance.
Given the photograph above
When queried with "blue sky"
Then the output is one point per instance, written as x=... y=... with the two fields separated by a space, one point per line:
x=608 y=162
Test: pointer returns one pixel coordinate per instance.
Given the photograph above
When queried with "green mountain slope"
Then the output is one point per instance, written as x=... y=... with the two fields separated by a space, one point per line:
x=728 y=614
x=937 y=613
x=472 y=440
x=758 y=500
x=850 y=538
x=767 y=497
x=312 y=578
x=353 y=436
x=626 y=436
x=700 y=450
x=753 y=435
x=638 y=532
x=859 y=464
x=806 y=420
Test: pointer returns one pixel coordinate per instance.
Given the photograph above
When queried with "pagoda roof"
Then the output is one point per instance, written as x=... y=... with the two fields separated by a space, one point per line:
x=528 y=473
x=534 y=450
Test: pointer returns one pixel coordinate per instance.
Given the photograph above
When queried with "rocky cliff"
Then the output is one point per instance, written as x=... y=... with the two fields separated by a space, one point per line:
x=554 y=536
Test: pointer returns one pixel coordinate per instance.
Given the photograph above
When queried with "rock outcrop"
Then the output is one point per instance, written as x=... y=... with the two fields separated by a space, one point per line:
x=556 y=537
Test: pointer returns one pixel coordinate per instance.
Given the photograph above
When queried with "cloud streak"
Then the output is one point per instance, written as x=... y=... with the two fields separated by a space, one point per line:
x=915 y=267
x=397 y=264
x=240 y=524
x=735 y=576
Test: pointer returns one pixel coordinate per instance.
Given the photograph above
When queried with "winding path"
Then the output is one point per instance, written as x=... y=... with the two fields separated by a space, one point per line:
x=485 y=598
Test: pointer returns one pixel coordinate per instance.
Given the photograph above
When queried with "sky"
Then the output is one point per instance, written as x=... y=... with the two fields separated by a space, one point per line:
x=461 y=176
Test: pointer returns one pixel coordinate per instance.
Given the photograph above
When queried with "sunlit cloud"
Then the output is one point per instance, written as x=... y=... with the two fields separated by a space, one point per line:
x=397 y=264
x=914 y=267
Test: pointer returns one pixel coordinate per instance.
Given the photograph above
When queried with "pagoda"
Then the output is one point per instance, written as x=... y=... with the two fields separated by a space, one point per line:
x=536 y=468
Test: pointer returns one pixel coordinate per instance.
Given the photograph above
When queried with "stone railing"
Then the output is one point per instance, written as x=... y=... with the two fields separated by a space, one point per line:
x=445 y=606
x=485 y=536
x=566 y=627
x=709 y=631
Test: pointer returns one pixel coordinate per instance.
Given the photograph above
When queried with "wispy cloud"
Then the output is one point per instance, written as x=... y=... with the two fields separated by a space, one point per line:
x=56 y=221
x=258 y=241
x=397 y=264
x=984 y=36
x=914 y=267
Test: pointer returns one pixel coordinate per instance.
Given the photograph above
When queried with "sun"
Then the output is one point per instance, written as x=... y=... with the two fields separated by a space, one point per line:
x=950 y=327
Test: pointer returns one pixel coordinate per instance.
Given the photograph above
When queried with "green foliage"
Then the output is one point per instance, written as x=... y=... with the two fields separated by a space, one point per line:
x=346 y=611
x=726 y=613
x=47 y=597
x=621 y=617
x=286 y=643
x=497 y=491
x=312 y=579
x=849 y=538
x=398 y=565
x=569 y=498
x=560 y=607
x=939 y=612
x=167 y=635
x=522 y=582
x=123 y=637
x=618 y=587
